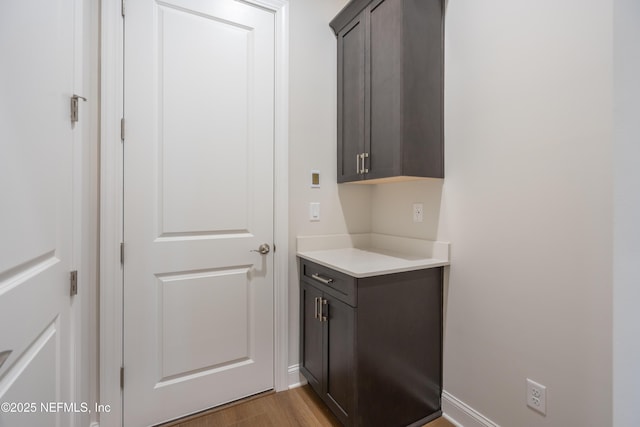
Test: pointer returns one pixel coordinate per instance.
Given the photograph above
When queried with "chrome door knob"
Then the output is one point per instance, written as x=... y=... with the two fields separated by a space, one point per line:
x=262 y=249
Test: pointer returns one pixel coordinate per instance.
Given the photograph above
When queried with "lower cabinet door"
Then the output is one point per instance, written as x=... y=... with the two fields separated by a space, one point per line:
x=339 y=359
x=311 y=336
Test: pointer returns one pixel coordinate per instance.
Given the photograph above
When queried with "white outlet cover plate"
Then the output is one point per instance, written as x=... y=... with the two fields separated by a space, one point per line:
x=418 y=212
x=537 y=396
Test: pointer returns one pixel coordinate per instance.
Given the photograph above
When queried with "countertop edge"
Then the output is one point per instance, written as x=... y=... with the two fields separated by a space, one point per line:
x=422 y=265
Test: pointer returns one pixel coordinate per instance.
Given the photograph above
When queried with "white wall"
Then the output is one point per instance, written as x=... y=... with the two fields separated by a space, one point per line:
x=527 y=200
x=312 y=140
x=392 y=208
x=626 y=250
x=527 y=206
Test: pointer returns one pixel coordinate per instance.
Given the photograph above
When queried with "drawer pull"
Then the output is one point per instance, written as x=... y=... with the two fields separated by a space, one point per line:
x=321 y=279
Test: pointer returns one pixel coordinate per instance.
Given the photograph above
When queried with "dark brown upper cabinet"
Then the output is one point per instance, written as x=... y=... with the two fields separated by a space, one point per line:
x=390 y=90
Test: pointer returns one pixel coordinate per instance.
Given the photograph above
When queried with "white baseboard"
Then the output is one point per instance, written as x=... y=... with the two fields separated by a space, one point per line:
x=296 y=379
x=462 y=415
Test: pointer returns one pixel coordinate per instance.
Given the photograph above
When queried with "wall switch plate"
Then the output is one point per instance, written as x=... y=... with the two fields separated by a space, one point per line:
x=418 y=212
x=314 y=211
x=537 y=396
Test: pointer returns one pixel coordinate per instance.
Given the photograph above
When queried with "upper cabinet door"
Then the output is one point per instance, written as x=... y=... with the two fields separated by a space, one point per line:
x=390 y=58
x=385 y=100
x=351 y=99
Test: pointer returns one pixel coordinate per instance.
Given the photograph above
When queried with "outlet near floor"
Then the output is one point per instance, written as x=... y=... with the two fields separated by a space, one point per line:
x=537 y=396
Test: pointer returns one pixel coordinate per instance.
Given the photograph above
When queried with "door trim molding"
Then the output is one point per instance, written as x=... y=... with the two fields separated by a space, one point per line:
x=111 y=220
x=280 y=9
x=111 y=195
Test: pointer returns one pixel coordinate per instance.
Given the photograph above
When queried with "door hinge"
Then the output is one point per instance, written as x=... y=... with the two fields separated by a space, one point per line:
x=122 y=377
x=122 y=129
x=74 y=107
x=121 y=252
x=73 y=283
x=122 y=8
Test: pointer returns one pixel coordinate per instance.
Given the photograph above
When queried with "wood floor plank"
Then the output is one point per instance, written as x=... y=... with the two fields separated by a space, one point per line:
x=440 y=422
x=214 y=419
x=318 y=411
x=256 y=410
x=299 y=407
x=184 y=421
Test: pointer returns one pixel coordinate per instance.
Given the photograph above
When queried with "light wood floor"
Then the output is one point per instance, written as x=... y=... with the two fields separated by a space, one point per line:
x=299 y=407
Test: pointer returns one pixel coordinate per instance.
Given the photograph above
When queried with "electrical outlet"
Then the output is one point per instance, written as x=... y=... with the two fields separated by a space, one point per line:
x=537 y=396
x=418 y=210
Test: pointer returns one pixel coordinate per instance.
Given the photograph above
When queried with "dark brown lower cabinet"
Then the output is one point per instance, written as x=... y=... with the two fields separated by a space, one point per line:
x=372 y=348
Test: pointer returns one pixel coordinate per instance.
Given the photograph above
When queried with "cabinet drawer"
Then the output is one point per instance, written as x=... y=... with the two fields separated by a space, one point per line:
x=339 y=285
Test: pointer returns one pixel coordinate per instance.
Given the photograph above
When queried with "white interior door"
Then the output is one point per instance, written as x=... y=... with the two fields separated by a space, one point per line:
x=198 y=197
x=36 y=193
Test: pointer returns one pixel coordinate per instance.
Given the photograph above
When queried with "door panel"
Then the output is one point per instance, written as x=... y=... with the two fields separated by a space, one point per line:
x=311 y=337
x=386 y=52
x=191 y=312
x=198 y=161
x=36 y=165
x=39 y=361
x=351 y=99
x=199 y=122
x=340 y=344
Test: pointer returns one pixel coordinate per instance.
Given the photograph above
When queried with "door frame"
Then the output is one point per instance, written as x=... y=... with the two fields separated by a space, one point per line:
x=111 y=201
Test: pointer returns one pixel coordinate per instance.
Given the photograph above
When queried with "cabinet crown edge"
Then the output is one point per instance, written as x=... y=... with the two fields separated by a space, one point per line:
x=348 y=12
x=351 y=10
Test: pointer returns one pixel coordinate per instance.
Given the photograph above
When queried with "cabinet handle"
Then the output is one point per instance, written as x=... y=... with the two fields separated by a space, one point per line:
x=364 y=156
x=358 y=164
x=321 y=279
x=323 y=318
x=315 y=306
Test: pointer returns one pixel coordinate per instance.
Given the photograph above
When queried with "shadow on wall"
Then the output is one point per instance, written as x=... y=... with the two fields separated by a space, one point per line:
x=392 y=208
x=355 y=200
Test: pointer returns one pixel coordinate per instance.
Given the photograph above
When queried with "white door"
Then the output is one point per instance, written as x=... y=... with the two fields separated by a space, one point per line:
x=198 y=189
x=36 y=230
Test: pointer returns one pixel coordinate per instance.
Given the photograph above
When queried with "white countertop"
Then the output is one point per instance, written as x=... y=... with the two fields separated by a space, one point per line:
x=366 y=255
